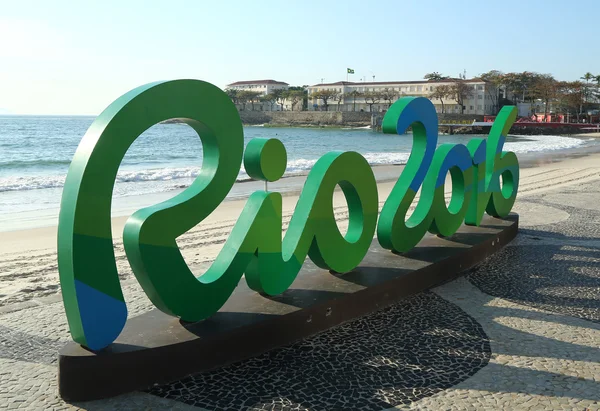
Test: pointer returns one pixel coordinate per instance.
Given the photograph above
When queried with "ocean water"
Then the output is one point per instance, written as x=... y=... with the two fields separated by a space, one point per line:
x=35 y=153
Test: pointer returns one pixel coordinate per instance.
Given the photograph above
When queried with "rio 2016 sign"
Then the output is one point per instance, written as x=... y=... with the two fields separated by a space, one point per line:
x=92 y=294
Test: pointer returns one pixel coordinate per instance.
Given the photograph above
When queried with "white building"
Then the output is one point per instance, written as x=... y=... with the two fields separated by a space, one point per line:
x=263 y=86
x=482 y=99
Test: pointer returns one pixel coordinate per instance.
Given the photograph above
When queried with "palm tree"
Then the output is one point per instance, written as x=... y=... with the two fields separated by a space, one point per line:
x=587 y=77
x=435 y=76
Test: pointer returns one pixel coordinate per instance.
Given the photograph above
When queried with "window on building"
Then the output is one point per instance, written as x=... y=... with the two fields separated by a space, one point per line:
x=412 y=88
x=419 y=88
x=478 y=107
x=480 y=97
x=480 y=87
x=470 y=107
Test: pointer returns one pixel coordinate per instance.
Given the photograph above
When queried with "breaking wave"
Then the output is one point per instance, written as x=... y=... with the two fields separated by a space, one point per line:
x=297 y=166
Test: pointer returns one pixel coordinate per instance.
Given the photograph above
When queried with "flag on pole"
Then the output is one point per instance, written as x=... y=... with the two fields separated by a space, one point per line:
x=350 y=71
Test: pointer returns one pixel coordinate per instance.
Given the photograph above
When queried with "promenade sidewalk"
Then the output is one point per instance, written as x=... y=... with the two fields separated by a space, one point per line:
x=520 y=332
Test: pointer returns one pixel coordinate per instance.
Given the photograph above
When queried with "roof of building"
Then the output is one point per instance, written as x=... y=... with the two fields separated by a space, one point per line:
x=381 y=83
x=243 y=83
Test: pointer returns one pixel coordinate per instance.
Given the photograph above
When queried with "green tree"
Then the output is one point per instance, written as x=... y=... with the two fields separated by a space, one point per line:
x=325 y=95
x=355 y=94
x=521 y=84
x=435 y=76
x=545 y=88
x=389 y=95
x=280 y=95
x=495 y=78
x=371 y=97
x=295 y=96
x=252 y=97
x=587 y=77
x=512 y=84
x=571 y=96
x=304 y=90
x=339 y=97
x=271 y=99
x=242 y=98
x=459 y=92
x=440 y=93
x=233 y=94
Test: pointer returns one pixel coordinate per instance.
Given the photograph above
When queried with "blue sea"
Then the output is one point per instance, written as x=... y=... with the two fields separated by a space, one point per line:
x=35 y=153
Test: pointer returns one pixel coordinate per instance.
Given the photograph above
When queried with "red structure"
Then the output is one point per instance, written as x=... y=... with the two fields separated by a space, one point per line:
x=548 y=121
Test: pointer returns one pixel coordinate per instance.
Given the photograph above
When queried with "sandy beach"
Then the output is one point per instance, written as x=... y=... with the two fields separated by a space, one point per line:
x=526 y=322
x=28 y=266
x=595 y=135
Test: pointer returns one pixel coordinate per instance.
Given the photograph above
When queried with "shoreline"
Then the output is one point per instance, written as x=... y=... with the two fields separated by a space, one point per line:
x=290 y=184
x=28 y=261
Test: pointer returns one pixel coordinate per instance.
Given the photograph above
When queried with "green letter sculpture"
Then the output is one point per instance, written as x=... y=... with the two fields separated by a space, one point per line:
x=91 y=291
x=427 y=169
x=490 y=165
x=92 y=294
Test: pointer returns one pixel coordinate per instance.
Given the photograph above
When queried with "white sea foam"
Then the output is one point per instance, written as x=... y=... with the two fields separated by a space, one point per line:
x=299 y=165
x=386 y=158
x=30 y=182
x=295 y=166
x=542 y=143
x=158 y=174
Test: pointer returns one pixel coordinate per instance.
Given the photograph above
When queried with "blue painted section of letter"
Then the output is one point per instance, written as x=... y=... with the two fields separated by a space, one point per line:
x=501 y=142
x=458 y=156
x=422 y=111
x=479 y=156
x=102 y=316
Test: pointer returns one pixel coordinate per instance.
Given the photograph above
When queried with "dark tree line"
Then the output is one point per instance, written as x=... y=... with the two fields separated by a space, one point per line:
x=296 y=96
x=575 y=97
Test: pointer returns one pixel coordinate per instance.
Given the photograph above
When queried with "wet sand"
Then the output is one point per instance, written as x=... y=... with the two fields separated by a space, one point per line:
x=28 y=265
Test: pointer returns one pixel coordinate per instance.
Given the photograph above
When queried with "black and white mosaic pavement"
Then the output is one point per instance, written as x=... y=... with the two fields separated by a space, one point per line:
x=398 y=355
x=556 y=268
x=20 y=346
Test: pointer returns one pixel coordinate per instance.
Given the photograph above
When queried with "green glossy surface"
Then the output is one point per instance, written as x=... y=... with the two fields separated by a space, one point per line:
x=491 y=165
x=265 y=159
x=92 y=293
x=475 y=172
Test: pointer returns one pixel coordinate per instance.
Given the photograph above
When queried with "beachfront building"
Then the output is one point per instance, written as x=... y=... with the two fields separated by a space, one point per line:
x=264 y=87
x=482 y=98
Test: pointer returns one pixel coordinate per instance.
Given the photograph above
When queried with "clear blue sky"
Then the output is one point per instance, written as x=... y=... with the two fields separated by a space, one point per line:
x=67 y=57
